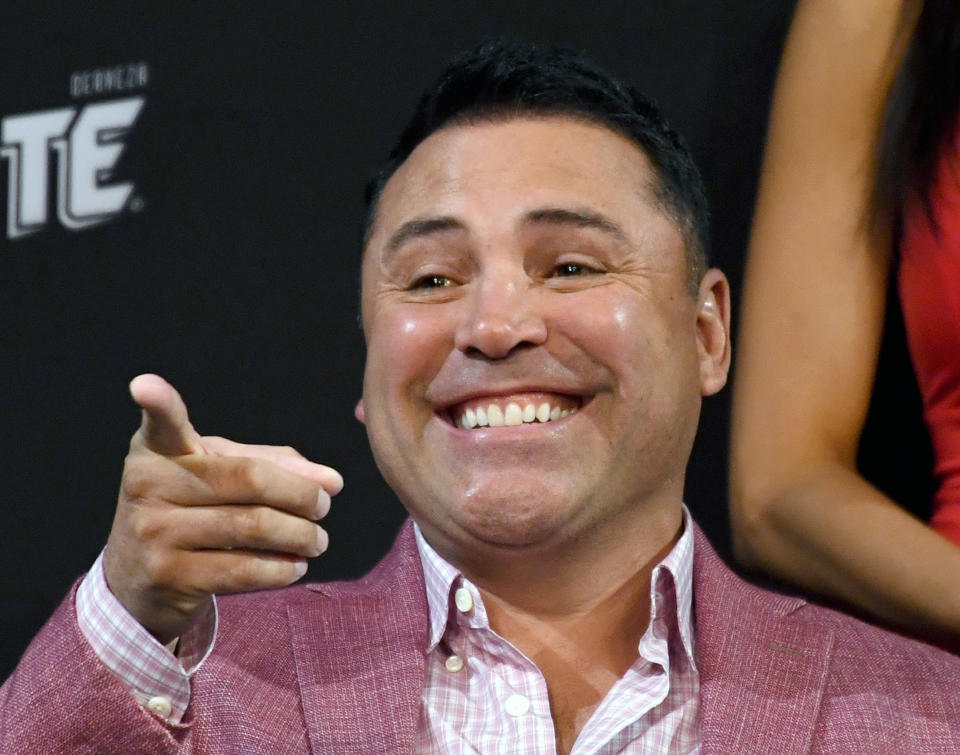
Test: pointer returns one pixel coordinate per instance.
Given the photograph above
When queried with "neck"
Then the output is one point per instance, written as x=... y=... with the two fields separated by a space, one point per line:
x=576 y=576
x=579 y=620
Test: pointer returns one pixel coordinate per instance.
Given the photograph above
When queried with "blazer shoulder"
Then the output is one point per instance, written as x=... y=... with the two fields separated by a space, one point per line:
x=843 y=684
x=853 y=639
x=877 y=650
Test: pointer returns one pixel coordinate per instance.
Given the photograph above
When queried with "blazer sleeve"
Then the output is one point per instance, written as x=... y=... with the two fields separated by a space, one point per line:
x=61 y=698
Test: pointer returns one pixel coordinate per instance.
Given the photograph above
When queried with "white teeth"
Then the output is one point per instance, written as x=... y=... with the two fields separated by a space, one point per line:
x=543 y=412
x=511 y=416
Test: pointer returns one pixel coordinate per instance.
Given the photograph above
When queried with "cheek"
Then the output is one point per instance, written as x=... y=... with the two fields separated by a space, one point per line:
x=405 y=346
x=611 y=329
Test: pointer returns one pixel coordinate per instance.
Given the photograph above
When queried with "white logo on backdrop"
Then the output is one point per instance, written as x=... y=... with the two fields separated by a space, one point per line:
x=86 y=140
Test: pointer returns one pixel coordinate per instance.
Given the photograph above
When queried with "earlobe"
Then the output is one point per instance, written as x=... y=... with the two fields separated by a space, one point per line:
x=359 y=413
x=713 y=331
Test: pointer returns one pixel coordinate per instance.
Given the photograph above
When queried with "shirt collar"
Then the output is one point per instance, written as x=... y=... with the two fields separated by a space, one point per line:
x=442 y=579
x=671 y=587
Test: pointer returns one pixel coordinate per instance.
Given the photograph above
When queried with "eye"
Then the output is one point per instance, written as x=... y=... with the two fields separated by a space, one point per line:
x=570 y=269
x=431 y=281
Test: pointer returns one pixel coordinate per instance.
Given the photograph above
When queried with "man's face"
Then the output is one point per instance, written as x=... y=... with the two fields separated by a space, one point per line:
x=535 y=360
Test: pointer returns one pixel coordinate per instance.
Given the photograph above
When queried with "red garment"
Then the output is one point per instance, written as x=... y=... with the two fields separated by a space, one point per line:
x=929 y=287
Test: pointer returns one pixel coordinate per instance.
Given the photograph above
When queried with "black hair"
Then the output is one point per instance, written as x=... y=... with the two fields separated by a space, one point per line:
x=503 y=78
x=920 y=116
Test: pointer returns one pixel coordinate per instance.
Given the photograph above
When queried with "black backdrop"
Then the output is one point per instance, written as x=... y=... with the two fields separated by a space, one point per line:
x=232 y=267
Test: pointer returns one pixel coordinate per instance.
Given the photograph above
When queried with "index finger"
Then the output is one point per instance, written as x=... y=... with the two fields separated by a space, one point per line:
x=165 y=426
x=283 y=456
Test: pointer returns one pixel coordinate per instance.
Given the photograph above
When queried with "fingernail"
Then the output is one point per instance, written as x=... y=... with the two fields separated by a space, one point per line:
x=323 y=504
x=300 y=569
x=323 y=540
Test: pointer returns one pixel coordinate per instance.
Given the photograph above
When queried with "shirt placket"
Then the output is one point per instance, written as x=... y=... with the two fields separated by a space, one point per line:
x=516 y=705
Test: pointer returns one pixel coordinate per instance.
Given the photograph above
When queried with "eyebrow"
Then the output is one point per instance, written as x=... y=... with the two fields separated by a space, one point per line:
x=578 y=218
x=419 y=227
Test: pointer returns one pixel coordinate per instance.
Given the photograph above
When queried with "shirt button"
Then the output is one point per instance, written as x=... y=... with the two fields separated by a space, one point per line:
x=160 y=705
x=453 y=663
x=516 y=705
x=463 y=599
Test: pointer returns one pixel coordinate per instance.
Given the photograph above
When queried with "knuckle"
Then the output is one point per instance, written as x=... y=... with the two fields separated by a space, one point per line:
x=250 y=475
x=138 y=482
x=158 y=567
x=251 y=525
x=291 y=451
x=243 y=573
x=147 y=529
x=185 y=605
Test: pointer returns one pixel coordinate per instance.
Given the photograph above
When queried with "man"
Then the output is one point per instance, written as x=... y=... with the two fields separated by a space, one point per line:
x=540 y=328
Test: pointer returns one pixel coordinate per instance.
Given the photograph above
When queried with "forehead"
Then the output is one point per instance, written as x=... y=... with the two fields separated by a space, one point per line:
x=493 y=171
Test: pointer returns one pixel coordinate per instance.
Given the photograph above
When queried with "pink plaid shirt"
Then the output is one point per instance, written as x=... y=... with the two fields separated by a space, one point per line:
x=158 y=679
x=481 y=694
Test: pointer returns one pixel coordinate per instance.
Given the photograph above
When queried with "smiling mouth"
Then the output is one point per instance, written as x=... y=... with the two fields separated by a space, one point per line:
x=512 y=411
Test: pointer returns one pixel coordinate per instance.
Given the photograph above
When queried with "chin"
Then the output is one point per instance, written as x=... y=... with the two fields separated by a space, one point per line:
x=515 y=522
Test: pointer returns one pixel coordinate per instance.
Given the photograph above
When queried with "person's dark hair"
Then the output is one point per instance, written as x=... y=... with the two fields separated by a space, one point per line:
x=920 y=116
x=505 y=78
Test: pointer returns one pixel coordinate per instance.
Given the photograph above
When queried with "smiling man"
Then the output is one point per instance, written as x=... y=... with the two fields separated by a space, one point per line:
x=540 y=326
x=520 y=266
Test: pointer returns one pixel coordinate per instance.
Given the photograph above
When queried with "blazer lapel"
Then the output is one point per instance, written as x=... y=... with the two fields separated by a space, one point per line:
x=762 y=671
x=359 y=649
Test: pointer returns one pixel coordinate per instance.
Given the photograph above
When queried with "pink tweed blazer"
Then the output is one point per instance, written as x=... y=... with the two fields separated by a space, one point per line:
x=338 y=668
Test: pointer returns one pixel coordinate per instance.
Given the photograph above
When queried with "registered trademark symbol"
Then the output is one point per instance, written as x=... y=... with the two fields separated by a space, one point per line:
x=137 y=204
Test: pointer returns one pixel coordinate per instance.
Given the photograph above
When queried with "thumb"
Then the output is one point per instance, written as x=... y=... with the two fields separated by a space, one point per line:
x=165 y=426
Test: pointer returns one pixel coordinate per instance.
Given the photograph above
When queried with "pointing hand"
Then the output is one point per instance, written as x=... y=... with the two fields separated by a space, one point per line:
x=203 y=515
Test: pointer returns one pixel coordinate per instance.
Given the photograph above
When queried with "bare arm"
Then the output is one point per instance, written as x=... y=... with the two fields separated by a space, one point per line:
x=812 y=318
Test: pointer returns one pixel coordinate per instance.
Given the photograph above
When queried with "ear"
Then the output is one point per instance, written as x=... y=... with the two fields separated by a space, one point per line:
x=359 y=413
x=713 y=331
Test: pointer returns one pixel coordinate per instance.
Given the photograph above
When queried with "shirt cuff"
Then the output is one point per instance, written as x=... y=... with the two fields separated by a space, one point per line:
x=158 y=679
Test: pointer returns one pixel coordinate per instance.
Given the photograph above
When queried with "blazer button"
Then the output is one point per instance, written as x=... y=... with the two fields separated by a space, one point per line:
x=161 y=705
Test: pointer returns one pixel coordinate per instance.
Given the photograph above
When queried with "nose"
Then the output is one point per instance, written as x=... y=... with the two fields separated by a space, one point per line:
x=502 y=314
